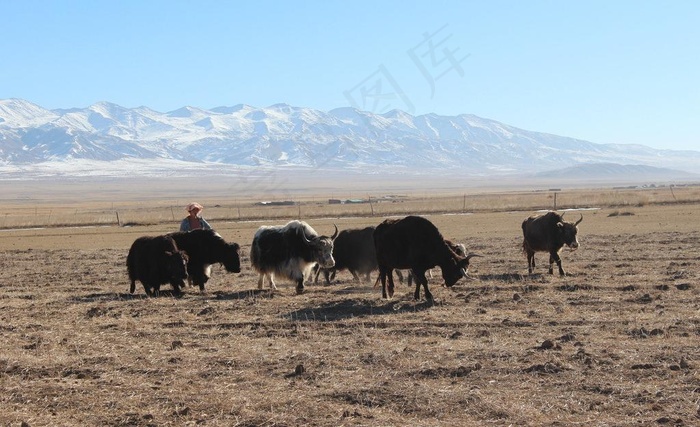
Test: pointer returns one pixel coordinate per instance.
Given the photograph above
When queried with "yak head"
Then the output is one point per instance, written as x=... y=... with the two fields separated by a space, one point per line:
x=457 y=270
x=568 y=231
x=176 y=266
x=232 y=257
x=322 y=247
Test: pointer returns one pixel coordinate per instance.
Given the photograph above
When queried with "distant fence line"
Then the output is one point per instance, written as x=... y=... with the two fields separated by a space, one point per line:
x=125 y=215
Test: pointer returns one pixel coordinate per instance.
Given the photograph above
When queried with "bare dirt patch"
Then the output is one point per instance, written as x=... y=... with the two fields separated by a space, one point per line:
x=614 y=343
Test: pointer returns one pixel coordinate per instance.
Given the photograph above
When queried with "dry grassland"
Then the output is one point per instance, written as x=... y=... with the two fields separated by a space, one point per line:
x=615 y=343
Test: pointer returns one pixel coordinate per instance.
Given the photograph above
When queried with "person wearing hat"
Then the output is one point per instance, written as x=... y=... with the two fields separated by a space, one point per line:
x=194 y=220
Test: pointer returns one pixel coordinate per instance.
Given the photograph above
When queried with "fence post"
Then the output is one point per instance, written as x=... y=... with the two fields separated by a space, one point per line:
x=119 y=224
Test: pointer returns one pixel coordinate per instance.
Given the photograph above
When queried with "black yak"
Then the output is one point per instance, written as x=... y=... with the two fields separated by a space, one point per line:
x=155 y=260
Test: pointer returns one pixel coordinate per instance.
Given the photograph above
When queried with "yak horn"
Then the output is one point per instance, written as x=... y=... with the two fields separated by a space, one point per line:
x=303 y=233
x=579 y=221
x=472 y=255
x=336 y=232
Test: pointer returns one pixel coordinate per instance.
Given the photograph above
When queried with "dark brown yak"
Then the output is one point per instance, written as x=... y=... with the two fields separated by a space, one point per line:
x=548 y=233
x=353 y=250
x=415 y=243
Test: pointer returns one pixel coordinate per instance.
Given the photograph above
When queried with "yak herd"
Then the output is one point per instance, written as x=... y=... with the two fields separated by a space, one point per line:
x=293 y=250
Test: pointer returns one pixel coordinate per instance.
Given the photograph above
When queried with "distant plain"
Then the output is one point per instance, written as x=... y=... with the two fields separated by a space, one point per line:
x=613 y=343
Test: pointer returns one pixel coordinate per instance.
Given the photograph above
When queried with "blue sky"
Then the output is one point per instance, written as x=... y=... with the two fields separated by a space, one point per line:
x=604 y=71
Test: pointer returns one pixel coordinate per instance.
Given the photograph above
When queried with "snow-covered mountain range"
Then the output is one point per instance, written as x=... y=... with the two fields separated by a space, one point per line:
x=283 y=135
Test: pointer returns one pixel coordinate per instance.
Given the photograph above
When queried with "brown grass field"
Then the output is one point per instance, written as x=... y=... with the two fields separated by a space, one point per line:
x=615 y=343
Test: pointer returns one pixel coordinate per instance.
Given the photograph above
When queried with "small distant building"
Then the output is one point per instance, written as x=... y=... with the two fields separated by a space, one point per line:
x=280 y=203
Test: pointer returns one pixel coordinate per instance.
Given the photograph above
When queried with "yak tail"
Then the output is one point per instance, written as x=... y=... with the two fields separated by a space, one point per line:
x=525 y=247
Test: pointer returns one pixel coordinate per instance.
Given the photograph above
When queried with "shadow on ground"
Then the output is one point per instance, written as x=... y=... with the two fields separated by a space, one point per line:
x=244 y=294
x=356 y=307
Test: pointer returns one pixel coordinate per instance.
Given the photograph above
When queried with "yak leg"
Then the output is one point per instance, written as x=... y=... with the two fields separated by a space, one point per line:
x=147 y=287
x=355 y=276
x=176 y=290
x=326 y=274
x=554 y=257
x=261 y=281
x=206 y=274
x=133 y=287
x=530 y=261
x=382 y=278
x=390 y=290
x=316 y=271
x=272 y=281
x=298 y=277
x=419 y=277
x=387 y=275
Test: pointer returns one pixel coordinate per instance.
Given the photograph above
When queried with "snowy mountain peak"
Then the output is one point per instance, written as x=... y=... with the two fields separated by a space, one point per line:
x=186 y=112
x=21 y=113
x=282 y=134
x=232 y=110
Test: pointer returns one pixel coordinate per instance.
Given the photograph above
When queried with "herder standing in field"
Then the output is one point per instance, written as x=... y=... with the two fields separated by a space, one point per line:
x=194 y=220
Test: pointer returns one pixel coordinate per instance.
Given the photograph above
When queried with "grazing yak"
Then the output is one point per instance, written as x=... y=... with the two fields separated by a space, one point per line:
x=353 y=250
x=154 y=260
x=548 y=233
x=290 y=251
x=415 y=243
x=458 y=248
x=207 y=247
